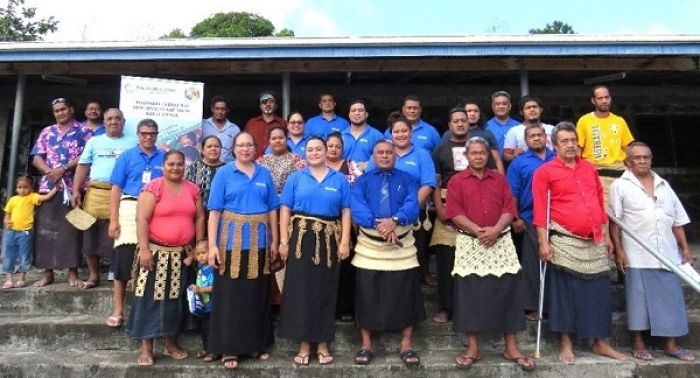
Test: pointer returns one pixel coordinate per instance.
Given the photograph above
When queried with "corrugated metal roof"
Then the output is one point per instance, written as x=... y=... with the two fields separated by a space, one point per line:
x=356 y=47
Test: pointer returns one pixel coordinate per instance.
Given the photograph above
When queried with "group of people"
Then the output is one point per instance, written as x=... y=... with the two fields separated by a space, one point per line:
x=331 y=219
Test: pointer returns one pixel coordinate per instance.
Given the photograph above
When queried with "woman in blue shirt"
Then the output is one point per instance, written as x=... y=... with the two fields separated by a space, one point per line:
x=316 y=203
x=419 y=164
x=243 y=236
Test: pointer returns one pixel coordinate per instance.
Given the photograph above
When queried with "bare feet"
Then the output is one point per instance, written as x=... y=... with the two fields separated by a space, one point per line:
x=603 y=348
x=566 y=355
x=43 y=282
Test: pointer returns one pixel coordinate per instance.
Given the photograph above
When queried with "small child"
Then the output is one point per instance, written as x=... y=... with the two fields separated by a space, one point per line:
x=19 y=219
x=201 y=291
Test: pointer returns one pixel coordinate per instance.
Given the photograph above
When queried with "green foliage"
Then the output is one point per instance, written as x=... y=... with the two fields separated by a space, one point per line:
x=233 y=24
x=556 y=27
x=17 y=24
x=175 y=33
x=285 y=33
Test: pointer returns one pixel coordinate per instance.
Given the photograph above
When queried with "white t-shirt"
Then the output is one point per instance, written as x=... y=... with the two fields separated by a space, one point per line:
x=515 y=138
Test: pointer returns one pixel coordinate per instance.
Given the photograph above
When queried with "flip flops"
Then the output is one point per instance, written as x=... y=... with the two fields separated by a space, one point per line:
x=363 y=357
x=114 y=321
x=410 y=357
x=682 y=354
x=144 y=360
x=465 y=361
x=642 y=354
x=525 y=363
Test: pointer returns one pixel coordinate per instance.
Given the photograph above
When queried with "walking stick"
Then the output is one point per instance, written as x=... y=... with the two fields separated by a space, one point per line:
x=543 y=274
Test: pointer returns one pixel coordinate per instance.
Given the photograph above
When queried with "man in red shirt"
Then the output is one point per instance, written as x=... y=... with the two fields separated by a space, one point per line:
x=488 y=283
x=259 y=126
x=580 y=298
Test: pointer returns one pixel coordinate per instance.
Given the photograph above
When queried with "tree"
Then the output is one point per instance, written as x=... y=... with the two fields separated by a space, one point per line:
x=556 y=27
x=17 y=24
x=232 y=24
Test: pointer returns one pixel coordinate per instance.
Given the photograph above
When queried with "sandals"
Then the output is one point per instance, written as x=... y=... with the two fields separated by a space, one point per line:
x=642 y=354
x=410 y=358
x=325 y=359
x=114 y=321
x=441 y=317
x=363 y=357
x=176 y=354
x=211 y=357
x=8 y=285
x=201 y=354
x=230 y=362
x=144 y=360
x=525 y=363
x=89 y=285
x=301 y=360
x=682 y=354
x=465 y=361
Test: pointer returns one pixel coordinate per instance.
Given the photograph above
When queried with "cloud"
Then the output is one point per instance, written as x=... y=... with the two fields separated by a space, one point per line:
x=315 y=23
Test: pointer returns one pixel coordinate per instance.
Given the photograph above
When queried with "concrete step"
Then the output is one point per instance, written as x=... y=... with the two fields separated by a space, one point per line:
x=113 y=364
x=88 y=332
x=60 y=299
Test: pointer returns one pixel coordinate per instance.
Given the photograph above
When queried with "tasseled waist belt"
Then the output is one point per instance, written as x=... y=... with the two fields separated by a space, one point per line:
x=239 y=220
x=331 y=229
x=162 y=256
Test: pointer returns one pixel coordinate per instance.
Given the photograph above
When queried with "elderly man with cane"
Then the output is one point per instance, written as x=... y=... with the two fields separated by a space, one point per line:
x=580 y=297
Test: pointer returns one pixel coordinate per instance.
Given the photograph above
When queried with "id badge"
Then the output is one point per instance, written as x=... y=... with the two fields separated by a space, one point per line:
x=146 y=176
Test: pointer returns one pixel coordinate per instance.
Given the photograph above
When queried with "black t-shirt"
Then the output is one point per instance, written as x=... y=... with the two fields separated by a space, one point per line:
x=449 y=152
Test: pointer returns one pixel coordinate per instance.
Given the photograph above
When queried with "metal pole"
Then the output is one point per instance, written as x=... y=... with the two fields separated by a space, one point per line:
x=524 y=84
x=16 y=124
x=286 y=78
x=663 y=259
x=543 y=276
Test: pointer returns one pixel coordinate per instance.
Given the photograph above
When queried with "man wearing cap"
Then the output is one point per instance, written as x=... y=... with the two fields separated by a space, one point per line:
x=259 y=126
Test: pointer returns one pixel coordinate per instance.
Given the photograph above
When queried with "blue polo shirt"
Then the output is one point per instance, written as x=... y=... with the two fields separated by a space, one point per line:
x=418 y=163
x=225 y=135
x=499 y=130
x=303 y=194
x=424 y=135
x=519 y=175
x=295 y=148
x=101 y=153
x=403 y=197
x=360 y=149
x=320 y=126
x=234 y=191
x=130 y=166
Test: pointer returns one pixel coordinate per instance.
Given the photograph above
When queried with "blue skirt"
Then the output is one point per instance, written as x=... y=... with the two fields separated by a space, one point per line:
x=580 y=306
x=655 y=302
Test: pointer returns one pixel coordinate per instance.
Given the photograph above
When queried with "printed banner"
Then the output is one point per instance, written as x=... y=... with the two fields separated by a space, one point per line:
x=176 y=106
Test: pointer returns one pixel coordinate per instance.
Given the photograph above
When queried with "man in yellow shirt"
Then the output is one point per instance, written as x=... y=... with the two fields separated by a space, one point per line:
x=603 y=137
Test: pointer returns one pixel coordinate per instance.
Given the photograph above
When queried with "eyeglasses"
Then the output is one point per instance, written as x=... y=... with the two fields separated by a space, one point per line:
x=295 y=122
x=245 y=145
x=148 y=134
x=60 y=100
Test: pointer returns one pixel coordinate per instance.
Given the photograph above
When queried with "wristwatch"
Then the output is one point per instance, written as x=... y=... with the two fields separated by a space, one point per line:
x=395 y=219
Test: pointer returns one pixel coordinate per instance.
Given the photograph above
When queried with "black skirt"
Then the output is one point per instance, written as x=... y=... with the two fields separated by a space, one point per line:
x=307 y=310
x=96 y=240
x=241 y=317
x=388 y=300
x=56 y=242
x=122 y=261
x=489 y=304
x=150 y=318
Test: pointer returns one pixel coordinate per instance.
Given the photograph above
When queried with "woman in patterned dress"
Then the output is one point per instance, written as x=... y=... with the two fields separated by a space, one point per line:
x=203 y=170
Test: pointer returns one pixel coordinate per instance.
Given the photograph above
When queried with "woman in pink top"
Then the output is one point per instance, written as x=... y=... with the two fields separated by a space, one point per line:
x=169 y=218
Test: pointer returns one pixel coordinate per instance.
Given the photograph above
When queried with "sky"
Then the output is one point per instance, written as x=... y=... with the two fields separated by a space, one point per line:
x=139 y=20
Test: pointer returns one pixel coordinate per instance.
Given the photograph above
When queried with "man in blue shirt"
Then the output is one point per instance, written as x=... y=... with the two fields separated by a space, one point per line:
x=327 y=122
x=424 y=135
x=501 y=121
x=520 y=173
x=133 y=169
x=96 y=163
x=384 y=204
x=93 y=118
x=359 y=138
x=219 y=126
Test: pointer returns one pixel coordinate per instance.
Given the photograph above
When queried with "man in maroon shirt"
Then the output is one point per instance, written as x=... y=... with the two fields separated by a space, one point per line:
x=580 y=298
x=259 y=126
x=487 y=285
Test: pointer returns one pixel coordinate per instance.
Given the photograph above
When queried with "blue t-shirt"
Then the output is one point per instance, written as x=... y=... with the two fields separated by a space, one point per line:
x=360 y=149
x=234 y=191
x=101 y=153
x=417 y=162
x=519 y=175
x=295 y=148
x=403 y=197
x=320 y=126
x=128 y=173
x=205 y=278
x=303 y=194
x=424 y=135
x=226 y=136
x=499 y=130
